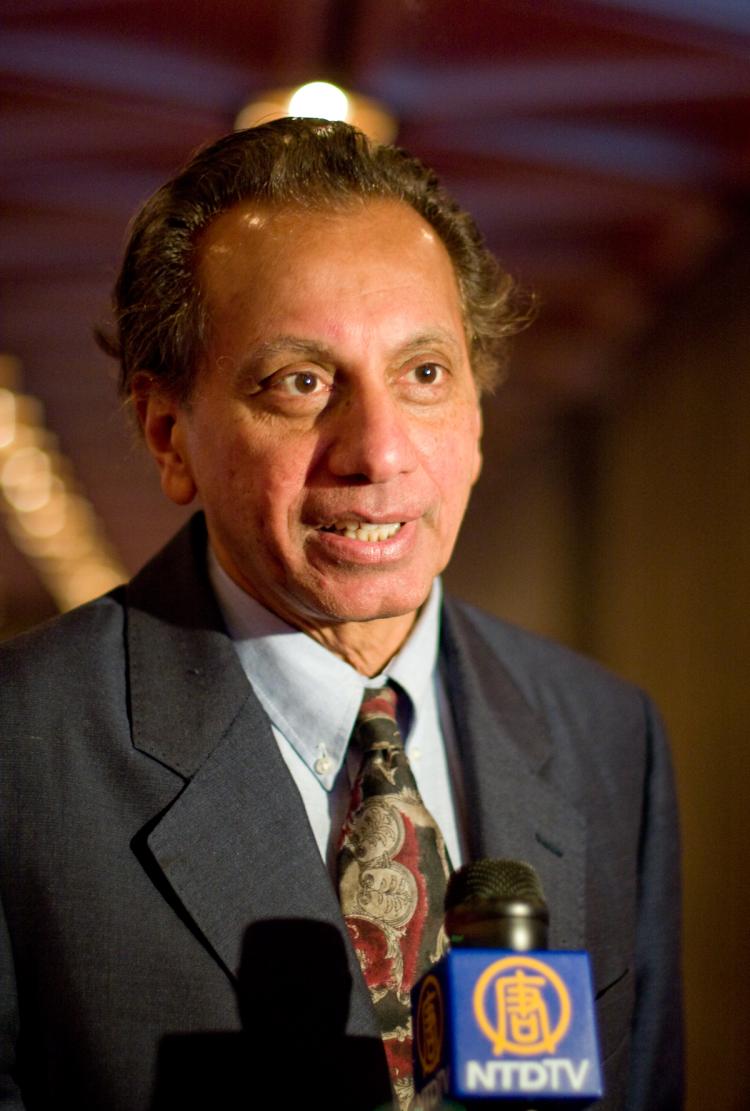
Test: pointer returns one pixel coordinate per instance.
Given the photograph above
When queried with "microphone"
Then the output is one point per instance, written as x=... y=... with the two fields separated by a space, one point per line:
x=501 y=1021
x=496 y=904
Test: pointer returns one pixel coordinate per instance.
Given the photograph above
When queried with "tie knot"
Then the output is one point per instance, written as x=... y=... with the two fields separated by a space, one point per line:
x=378 y=703
x=376 y=725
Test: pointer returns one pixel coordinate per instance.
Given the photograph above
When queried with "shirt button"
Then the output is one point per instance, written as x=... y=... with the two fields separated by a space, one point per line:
x=415 y=754
x=322 y=765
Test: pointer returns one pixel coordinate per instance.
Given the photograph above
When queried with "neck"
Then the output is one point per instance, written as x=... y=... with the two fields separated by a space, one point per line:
x=367 y=646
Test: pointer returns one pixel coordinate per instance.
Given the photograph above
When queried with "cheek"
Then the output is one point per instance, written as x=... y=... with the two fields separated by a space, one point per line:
x=473 y=447
x=233 y=455
x=478 y=460
x=283 y=482
x=458 y=465
x=269 y=476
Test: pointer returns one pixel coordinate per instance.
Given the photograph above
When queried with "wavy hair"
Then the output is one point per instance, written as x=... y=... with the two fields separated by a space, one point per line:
x=160 y=319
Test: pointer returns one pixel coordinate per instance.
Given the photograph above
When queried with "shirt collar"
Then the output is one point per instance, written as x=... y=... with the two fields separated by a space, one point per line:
x=294 y=677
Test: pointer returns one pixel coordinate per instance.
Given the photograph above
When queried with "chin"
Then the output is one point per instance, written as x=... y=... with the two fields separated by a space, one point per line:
x=370 y=606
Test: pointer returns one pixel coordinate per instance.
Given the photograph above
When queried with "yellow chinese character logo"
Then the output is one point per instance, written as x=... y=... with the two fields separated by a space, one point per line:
x=429 y=1024
x=522 y=1006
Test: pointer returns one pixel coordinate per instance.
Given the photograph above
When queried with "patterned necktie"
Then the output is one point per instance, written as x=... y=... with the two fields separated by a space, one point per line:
x=392 y=873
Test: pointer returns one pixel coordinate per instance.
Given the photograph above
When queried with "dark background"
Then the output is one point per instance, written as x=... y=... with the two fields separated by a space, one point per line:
x=604 y=148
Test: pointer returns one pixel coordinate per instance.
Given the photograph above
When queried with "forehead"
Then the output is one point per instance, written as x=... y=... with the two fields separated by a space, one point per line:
x=259 y=224
x=280 y=255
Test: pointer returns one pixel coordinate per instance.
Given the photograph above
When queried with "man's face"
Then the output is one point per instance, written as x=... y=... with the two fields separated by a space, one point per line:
x=333 y=431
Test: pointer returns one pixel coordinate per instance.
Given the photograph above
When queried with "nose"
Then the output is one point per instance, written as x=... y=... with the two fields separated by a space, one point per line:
x=373 y=437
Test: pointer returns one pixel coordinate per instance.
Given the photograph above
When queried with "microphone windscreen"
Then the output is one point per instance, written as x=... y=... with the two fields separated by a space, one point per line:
x=496 y=904
x=493 y=879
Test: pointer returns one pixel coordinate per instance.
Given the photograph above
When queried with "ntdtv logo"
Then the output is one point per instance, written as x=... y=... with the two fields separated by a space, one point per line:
x=506 y=1024
x=522 y=1006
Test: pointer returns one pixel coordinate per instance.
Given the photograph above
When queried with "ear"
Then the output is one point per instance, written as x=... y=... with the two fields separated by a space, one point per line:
x=163 y=420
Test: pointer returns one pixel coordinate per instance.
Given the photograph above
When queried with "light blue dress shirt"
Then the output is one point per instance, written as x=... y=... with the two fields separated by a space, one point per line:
x=312 y=698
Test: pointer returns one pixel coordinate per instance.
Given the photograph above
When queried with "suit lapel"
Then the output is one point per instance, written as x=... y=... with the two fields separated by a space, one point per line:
x=515 y=810
x=235 y=846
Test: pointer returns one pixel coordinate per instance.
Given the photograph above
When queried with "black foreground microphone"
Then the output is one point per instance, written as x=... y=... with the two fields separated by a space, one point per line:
x=501 y=1020
x=496 y=904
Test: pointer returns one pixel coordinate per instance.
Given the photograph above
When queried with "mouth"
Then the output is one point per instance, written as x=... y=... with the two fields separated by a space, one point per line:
x=370 y=532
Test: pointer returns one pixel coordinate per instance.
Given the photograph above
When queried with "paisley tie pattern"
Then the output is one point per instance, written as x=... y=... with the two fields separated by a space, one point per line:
x=392 y=873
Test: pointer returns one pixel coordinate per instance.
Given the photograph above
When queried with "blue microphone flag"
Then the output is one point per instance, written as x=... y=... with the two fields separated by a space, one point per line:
x=497 y=1024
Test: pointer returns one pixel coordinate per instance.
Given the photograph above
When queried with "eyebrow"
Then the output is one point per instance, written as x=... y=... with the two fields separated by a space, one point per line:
x=293 y=344
x=315 y=349
x=435 y=337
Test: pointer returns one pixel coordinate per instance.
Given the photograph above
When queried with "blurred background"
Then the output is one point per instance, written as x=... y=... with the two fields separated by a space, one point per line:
x=604 y=148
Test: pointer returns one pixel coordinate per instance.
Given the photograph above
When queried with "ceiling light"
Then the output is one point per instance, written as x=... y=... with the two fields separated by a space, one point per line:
x=321 y=100
x=324 y=101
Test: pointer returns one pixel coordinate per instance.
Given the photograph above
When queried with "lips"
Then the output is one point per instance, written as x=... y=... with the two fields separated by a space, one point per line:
x=357 y=541
x=368 y=531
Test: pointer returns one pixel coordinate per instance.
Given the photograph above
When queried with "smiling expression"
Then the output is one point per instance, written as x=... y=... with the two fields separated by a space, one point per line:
x=333 y=431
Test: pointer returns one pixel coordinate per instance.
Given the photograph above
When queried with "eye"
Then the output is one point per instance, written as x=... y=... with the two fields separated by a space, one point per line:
x=302 y=383
x=427 y=374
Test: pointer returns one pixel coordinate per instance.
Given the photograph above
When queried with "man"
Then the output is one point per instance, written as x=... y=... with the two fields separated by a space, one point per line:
x=305 y=323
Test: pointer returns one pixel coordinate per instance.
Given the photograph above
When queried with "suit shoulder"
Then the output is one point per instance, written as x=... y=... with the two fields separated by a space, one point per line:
x=542 y=667
x=62 y=646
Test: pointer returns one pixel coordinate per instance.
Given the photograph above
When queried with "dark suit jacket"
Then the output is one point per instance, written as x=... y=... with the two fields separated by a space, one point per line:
x=163 y=891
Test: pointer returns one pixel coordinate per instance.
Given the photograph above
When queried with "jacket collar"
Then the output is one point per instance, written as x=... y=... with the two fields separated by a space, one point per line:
x=186 y=684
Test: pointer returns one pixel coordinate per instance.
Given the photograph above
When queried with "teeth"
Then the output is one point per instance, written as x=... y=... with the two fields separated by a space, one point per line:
x=358 y=530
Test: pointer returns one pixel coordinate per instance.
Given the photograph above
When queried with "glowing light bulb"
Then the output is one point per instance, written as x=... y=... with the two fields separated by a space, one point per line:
x=320 y=100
